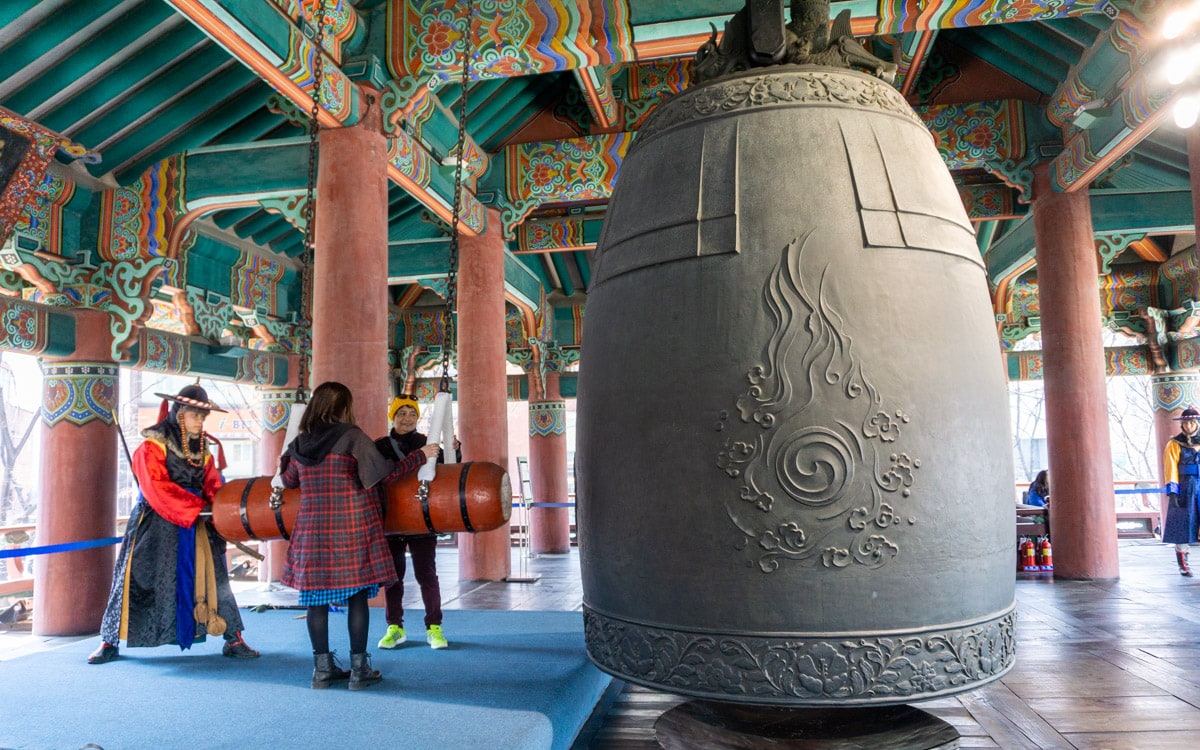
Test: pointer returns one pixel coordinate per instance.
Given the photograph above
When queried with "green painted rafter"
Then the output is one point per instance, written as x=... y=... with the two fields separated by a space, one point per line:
x=1148 y=213
x=1138 y=101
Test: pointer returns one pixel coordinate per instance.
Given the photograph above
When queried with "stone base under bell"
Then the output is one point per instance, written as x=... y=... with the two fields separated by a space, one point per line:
x=708 y=724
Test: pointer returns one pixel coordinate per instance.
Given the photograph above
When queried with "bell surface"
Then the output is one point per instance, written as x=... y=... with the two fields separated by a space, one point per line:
x=795 y=485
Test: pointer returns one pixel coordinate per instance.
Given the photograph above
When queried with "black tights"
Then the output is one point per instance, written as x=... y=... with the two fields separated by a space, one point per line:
x=358 y=622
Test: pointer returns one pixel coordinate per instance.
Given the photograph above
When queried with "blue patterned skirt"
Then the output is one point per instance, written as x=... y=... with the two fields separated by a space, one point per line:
x=317 y=597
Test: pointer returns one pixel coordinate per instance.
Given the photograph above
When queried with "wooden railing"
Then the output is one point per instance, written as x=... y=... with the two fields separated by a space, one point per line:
x=1139 y=508
x=1142 y=518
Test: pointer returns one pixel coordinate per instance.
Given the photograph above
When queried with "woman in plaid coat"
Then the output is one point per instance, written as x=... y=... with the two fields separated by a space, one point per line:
x=338 y=551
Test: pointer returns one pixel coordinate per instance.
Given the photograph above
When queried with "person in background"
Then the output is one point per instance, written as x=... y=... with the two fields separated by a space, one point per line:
x=170 y=584
x=337 y=551
x=1039 y=490
x=1181 y=464
x=402 y=439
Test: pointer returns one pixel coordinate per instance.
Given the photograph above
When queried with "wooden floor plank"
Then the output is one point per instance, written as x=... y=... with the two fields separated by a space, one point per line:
x=1139 y=713
x=1135 y=741
x=1010 y=722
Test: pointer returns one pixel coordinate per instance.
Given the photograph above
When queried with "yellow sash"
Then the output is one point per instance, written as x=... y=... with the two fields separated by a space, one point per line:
x=206 y=585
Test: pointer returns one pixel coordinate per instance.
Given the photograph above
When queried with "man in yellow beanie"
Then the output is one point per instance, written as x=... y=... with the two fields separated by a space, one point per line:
x=410 y=402
x=404 y=438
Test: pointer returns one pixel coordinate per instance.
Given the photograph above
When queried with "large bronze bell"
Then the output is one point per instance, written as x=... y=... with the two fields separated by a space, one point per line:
x=794 y=474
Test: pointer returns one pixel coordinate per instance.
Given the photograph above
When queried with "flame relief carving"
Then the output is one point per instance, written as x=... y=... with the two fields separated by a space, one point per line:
x=813 y=488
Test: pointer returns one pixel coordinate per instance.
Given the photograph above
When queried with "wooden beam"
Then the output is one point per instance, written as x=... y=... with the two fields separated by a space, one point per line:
x=597 y=87
x=1142 y=104
x=217 y=25
x=1148 y=249
x=1147 y=213
x=915 y=49
x=410 y=296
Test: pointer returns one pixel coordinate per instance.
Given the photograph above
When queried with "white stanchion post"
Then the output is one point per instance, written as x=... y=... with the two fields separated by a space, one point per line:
x=524 y=545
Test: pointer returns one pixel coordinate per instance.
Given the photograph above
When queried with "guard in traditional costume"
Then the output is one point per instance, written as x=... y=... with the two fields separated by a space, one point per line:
x=1181 y=472
x=170 y=585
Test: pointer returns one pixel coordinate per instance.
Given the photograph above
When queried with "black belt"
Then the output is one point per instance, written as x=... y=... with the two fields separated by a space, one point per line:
x=279 y=521
x=424 y=498
x=244 y=515
x=462 y=497
x=242 y=508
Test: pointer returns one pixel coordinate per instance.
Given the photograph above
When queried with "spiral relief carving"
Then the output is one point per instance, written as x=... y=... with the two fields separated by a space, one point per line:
x=814 y=466
x=809 y=492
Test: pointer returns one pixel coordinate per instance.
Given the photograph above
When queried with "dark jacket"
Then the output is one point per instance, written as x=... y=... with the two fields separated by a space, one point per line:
x=394 y=446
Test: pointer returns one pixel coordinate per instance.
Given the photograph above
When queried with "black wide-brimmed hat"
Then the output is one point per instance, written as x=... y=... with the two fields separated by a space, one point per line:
x=1188 y=413
x=193 y=396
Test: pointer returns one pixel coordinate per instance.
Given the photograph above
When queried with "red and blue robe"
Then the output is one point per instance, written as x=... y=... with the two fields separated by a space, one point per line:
x=152 y=599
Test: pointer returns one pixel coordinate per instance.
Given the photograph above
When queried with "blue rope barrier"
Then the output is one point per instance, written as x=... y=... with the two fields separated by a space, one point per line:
x=1152 y=491
x=65 y=547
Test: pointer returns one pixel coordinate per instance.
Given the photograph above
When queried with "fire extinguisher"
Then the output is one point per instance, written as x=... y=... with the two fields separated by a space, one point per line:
x=1027 y=555
x=1046 y=554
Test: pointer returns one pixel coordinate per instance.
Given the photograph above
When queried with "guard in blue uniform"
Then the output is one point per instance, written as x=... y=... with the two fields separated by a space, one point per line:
x=1181 y=472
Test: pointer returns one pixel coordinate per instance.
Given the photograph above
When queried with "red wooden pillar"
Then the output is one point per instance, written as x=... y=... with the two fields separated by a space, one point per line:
x=482 y=385
x=78 y=481
x=350 y=288
x=549 y=525
x=276 y=411
x=1083 y=513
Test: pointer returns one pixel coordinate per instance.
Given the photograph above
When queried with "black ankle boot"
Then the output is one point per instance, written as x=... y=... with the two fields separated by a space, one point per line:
x=236 y=648
x=326 y=671
x=361 y=674
x=1182 y=559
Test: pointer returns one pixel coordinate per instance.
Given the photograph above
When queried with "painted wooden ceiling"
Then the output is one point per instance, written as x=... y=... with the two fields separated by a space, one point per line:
x=1003 y=84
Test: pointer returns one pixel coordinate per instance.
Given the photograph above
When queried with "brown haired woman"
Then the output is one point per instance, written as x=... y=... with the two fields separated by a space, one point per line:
x=338 y=551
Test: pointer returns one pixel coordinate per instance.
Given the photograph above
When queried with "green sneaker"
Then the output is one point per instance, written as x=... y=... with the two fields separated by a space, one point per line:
x=393 y=637
x=433 y=634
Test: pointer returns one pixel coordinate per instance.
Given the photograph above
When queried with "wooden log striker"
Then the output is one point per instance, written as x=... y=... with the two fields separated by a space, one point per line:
x=472 y=496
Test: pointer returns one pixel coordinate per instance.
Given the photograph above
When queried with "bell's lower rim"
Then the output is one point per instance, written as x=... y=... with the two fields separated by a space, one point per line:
x=862 y=669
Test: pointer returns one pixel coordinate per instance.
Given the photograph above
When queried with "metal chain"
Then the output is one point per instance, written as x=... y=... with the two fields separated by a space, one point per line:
x=310 y=203
x=448 y=338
